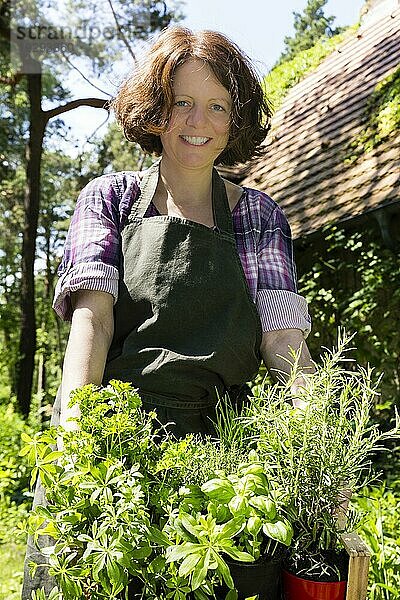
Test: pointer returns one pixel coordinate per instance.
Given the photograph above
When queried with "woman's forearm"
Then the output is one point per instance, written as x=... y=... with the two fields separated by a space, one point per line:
x=88 y=345
x=276 y=352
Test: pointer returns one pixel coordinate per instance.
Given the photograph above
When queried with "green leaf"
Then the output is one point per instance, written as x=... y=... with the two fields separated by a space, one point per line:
x=200 y=572
x=189 y=523
x=218 y=489
x=157 y=565
x=25 y=450
x=113 y=571
x=50 y=529
x=224 y=570
x=254 y=525
x=159 y=537
x=178 y=552
x=52 y=457
x=238 y=505
x=265 y=505
x=140 y=553
x=189 y=563
x=231 y=528
x=254 y=469
x=281 y=531
x=238 y=554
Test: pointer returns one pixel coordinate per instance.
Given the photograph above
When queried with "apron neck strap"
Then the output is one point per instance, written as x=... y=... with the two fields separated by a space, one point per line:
x=148 y=186
x=221 y=209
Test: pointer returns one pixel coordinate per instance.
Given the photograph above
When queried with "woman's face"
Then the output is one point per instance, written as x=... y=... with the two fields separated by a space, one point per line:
x=198 y=130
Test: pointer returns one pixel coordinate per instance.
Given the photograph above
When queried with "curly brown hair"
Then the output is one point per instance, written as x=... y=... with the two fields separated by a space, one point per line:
x=144 y=102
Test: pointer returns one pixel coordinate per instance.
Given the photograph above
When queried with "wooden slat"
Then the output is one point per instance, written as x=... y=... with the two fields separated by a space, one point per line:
x=359 y=557
x=338 y=126
x=314 y=172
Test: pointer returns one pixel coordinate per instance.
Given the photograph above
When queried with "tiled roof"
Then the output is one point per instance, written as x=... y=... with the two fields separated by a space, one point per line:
x=303 y=168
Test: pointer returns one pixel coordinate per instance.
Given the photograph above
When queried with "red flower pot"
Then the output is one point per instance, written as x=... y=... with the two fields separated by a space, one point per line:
x=296 y=588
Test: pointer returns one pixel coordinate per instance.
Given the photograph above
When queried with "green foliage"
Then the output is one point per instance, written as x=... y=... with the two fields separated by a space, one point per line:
x=115 y=153
x=14 y=470
x=116 y=508
x=120 y=479
x=96 y=493
x=14 y=501
x=98 y=51
x=11 y=569
x=289 y=72
x=60 y=188
x=309 y=28
x=355 y=281
x=380 y=527
x=382 y=117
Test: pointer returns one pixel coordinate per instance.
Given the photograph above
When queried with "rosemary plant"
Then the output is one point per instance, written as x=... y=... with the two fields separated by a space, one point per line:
x=318 y=456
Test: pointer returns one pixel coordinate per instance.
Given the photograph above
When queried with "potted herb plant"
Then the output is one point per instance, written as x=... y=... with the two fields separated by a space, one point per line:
x=317 y=457
x=119 y=515
x=97 y=512
x=228 y=524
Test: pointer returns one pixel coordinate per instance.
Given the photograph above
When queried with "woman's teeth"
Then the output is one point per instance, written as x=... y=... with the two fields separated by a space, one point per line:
x=195 y=141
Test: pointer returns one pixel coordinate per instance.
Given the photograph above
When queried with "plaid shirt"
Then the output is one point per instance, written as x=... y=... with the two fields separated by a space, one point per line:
x=263 y=241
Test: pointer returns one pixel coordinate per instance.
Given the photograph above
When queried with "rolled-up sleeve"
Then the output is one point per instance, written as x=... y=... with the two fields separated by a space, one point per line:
x=281 y=309
x=92 y=247
x=279 y=305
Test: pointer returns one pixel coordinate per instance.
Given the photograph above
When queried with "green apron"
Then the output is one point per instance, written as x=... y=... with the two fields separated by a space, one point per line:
x=186 y=328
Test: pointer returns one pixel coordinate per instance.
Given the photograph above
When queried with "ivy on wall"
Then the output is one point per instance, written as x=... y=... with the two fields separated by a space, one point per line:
x=382 y=117
x=283 y=77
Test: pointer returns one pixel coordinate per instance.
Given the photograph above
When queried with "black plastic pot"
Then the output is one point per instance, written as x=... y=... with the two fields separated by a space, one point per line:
x=260 y=578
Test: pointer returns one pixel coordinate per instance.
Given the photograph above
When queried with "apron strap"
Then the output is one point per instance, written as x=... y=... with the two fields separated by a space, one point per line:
x=221 y=209
x=148 y=185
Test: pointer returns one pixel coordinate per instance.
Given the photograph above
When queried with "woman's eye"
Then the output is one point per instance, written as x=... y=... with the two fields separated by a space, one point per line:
x=181 y=103
x=218 y=108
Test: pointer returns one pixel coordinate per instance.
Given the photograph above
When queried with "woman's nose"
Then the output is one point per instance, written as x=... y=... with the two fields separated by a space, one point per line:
x=196 y=116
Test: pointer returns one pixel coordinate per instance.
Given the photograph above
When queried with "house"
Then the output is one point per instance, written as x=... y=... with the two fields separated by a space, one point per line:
x=315 y=165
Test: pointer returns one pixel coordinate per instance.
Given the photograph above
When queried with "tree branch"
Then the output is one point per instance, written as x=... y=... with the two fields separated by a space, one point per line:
x=63 y=108
x=83 y=75
x=121 y=32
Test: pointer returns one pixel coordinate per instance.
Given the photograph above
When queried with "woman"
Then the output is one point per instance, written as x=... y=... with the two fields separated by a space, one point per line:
x=191 y=319
x=174 y=278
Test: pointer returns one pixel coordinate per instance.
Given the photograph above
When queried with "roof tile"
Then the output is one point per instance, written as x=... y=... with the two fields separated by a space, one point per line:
x=304 y=167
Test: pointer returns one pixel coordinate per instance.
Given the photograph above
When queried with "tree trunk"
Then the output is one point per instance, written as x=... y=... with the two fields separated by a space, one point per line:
x=27 y=344
x=48 y=292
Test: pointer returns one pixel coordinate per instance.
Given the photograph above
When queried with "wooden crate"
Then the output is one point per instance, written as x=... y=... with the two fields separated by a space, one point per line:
x=359 y=557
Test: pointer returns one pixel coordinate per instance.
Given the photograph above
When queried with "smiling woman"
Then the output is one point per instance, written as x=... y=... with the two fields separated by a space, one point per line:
x=175 y=279
x=144 y=109
x=198 y=129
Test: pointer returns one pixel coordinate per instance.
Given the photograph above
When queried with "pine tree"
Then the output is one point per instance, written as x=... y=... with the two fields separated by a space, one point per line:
x=309 y=27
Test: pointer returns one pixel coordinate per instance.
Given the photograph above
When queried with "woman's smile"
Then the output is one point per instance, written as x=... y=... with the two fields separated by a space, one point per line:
x=195 y=141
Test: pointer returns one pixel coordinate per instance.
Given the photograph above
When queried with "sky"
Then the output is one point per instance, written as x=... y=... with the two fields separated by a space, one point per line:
x=257 y=26
x=260 y=26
